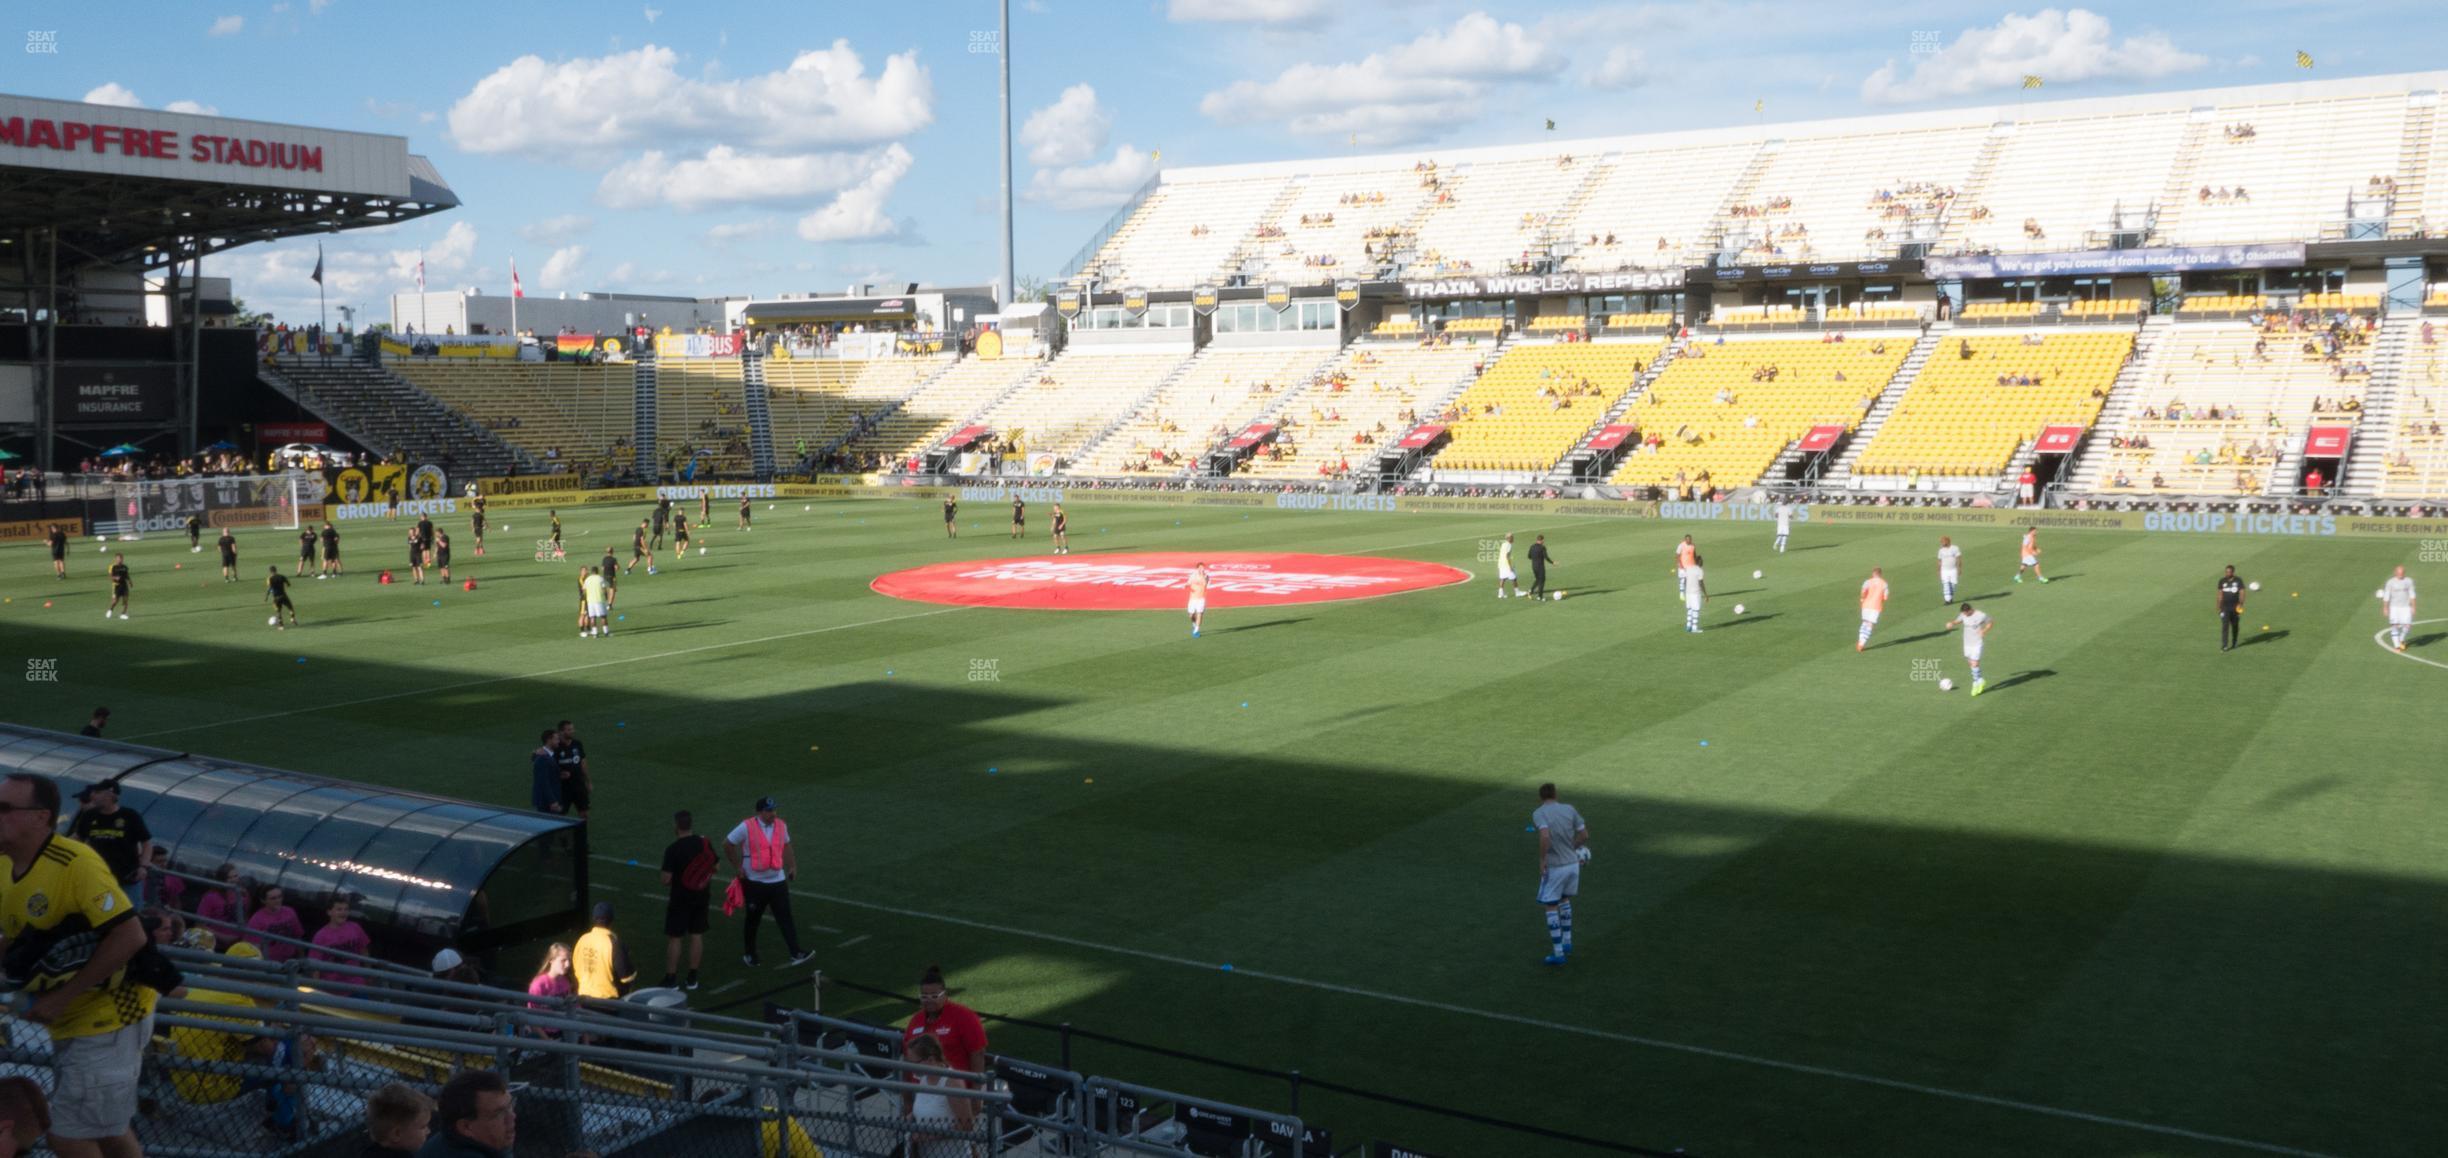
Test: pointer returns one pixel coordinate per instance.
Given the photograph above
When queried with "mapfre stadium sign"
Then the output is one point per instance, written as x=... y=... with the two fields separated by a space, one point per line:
x=104 y=139
x=1533 y=285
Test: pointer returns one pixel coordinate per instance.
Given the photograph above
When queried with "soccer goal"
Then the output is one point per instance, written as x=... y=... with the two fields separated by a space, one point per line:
x=162 y=507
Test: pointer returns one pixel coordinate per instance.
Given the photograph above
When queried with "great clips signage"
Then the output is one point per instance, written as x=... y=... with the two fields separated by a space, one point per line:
x=87 y=138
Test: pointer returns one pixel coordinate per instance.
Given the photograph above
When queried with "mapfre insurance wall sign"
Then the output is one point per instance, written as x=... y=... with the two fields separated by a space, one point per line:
x=84 y=138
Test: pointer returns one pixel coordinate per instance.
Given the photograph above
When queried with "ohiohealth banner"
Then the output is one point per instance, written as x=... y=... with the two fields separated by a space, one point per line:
x=2165 y=259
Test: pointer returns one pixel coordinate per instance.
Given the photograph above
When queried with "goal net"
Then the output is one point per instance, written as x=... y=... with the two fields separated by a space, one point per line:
x=163 y=507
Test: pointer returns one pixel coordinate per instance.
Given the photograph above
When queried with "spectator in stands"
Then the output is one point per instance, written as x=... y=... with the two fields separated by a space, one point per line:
x=940 y=1122
x=118 y=833
x=953 y=1026
x=275 y=919
x=223 y=910
x=555 y=978
x=688 y=871
x=600 y=961
x=399 y=1119
x=450 y=965
x=342 y=935
x=477 y=1116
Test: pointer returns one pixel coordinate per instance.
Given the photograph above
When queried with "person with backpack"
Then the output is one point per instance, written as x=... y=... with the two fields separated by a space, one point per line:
x=688 y=871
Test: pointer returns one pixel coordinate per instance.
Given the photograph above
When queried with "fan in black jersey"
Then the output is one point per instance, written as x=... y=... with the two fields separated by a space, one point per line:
x=276 y=589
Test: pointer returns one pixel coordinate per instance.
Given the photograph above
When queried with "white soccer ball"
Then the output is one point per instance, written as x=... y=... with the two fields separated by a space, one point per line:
x=1559 y=596
x=102 y=550
x=272 y=622
x=1757 y=574
x=2252 y=586
x=1584 y=851
x=1738 y=609
x=1946 y=685
x=2380 y=594
x=701 y=550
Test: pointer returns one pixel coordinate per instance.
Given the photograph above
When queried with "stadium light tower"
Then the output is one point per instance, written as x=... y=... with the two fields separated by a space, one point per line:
x=1007 y=291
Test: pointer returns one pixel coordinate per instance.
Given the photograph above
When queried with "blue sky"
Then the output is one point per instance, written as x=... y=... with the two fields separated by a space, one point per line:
x=762 y=147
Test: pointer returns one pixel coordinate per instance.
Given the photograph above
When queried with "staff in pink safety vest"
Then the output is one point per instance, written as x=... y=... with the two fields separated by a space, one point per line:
x=762 y=858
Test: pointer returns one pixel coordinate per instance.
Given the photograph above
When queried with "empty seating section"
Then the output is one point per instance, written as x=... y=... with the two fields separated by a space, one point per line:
x=1819 y=198
x=1758 y=316
x=1474 y=327
x=1074 y=397
x=1183 y=232
x=1723 y=410
x=1991 y=311
x=1535 y=402
x=1221 y=392
x=1396 y=328
x=2417 y=465
x=1338 y=418
x=2102 y=308
x=816 y=399
x=2339 y=303
x=946 y=401
x=2054 y=181
x=1556 y=324
x=1494 y=212
x=1648 y=321
x=701 y=409
x=560 y=411
x=2264 y=401
x=1657 y=205
x=1863 y=312
x=2275 y=171
x=2221 y=304
x=1325 y=231
x=1967 y=416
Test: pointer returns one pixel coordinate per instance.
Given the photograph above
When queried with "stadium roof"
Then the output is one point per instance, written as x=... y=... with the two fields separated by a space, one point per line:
x=136 y=186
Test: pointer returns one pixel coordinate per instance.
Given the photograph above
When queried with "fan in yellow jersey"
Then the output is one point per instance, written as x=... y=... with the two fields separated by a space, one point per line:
x=70 y=936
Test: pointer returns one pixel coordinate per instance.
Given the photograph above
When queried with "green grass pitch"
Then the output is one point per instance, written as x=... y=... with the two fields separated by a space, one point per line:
x=2140 y=898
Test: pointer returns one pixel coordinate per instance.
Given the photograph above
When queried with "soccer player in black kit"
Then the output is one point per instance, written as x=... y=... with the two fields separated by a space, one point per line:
x=276 y=589
x=195 y=534
x=59 y=551
x=331 y=551
x=638 y=549
x=1539 y=558
x=662 y=519
x=306 y=549
x=680 y=539
x=2231 y=610
x=477 y=521
x=1019 y=518
x=951 y=512
x=743 y=512
x=442 y=555
x=120 y=586
x=416 y=555
x=1062 y=531
x=229 y=556
x=425 y=535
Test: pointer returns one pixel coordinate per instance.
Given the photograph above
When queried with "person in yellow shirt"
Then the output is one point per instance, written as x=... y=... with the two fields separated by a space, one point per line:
x=601 y=961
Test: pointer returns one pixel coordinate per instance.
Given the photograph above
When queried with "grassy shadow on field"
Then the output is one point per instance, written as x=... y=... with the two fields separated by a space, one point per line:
x=2021 y=677
x=1259 y=626
x=1748 y=620
x=1924 y=637
x=2266 y=637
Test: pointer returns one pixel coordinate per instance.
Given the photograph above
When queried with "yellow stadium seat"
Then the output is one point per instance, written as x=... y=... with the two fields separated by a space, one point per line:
x=1721 y=418
x=1958 y=420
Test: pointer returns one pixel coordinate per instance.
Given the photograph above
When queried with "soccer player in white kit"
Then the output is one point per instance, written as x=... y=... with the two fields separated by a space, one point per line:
x=2397 y=596
x=1506 y=581
x=1198 y=599
x=1784 y=518
x=2031 y=556
x=1950 y=568
x=1976 y=626
x=1873 y=602
x=1563 y=845
x=1695 y=594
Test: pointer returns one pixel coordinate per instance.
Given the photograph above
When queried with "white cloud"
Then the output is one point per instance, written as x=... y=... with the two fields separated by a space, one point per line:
x=2057 y=46
x=560 y=230
x=1099 y=186
x=623 y=272
x=653 y=14
x=281 y=9
x=1069 y=131
x=561 y=269
x=197 y=108
x=1247 y=11
x=728 y=176
x=1624 y=67
x=824 y=98
x=1404 y=93
x=227 y=26
x=114 y=93
x=858 y=212
x=317 y=6
x=729 y=231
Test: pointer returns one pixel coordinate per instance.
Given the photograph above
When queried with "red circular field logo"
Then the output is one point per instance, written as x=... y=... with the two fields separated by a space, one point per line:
x=1160 y=580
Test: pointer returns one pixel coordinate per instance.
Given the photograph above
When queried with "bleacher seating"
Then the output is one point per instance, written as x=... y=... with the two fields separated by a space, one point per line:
x=2053 y=182
x=2296 y=168
x=2222 y=304
x=1654 y=320
x=1182 y=234
x=563 y=412
x=1556 y=324
x=1492 y=212
x=1818 y=198
x=1396 y=328
x=1357 y=405
x=1216 y=395
x=702 y=409
x=2264 y=402
x=1860 y=313
x=1966 y=417
x=2416 y=465
x=1657 y=205
x=1720 y=420
x=394 y=416
x=1757 y=316
x=815 y=400
x=1995 y=311
x=2335 y=303
x=2439 y=297
x=1075 y=396
x=1342 y=210
x=1533 y=403
x=2102 y=309
x=1474 y=327
x=947 y=400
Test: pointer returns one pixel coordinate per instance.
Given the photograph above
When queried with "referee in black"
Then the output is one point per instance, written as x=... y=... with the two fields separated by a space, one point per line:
x=1539 y=558
x=2231 y=610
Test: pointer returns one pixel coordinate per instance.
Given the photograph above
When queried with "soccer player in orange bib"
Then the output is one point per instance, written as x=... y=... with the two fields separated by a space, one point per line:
x=1873 y=601
x=1685 y=552
x=1198 y=599
x=2031 y=556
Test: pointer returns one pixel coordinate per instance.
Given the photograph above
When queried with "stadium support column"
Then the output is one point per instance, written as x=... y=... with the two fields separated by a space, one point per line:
x=1006 y=292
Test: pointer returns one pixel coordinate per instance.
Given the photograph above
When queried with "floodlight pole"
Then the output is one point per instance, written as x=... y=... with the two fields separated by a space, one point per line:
x=1010 y=291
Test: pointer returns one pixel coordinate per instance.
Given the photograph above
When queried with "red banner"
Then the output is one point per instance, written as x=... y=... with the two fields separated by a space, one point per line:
x=2059 y=439
x=1255 y=434
x=1420 y=436
x=1821 y=438
x=965 y=435
x=1612 y=436
x=2327 y=441
x=276 y=433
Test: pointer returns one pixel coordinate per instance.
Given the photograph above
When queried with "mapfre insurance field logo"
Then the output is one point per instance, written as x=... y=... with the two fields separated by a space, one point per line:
x=1162 y=580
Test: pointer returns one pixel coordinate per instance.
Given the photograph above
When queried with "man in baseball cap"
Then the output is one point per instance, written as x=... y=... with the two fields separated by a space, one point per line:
x=601 y=961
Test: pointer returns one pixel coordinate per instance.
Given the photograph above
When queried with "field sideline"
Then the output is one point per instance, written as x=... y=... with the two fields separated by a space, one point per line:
x=2140 y=898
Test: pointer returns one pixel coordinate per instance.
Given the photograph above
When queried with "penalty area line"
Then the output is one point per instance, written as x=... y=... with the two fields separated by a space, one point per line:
x=1576 y=1030
x=459 y=687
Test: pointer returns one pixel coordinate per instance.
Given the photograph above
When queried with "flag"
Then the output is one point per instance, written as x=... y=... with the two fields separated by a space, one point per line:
x=2031 y=81
x=1758 y=105
x=2303 y=59
x=1551 y=124
x=515 y=291
x=318 y=273
x=1156 y=157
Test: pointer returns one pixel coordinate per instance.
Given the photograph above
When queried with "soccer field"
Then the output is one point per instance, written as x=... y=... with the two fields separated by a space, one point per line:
x=2141 y=897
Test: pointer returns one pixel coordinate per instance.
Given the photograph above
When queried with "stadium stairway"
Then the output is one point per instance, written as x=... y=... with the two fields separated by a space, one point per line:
x=2406 y=218
x=2168 y=213
x=1567 y=469
x=1973 y=191
x=758 y=402
x=1841 y=472
x=2124 y=401
x=1126 y=413
x=2366 y=465
x=643 y=441
x=894 y=405
x=1724 y=222
x=390 y=416
x=1251 y=252
x=1564 y=226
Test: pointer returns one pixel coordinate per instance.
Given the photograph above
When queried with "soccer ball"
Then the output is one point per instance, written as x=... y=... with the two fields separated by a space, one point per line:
x=2380 y=594
x=701 y=550
x=1559 y=596
x=272 y=622
x=2252 y=587
x=1738 y=609
x=1757 y=574
x=1946 y=685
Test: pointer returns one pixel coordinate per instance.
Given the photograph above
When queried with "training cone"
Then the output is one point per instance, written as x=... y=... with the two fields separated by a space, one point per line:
x=470 y=585
x=385 y=577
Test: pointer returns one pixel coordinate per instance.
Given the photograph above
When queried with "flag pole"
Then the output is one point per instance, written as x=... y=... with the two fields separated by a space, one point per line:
x=514 y=297
x=322 y=312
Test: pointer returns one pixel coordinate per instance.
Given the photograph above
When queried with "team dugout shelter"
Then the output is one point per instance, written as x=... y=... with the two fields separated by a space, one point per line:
x=107 y=217
x=426 y=871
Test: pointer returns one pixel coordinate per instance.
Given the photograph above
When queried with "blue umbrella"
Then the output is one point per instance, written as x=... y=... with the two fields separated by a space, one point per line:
x=122 y=448
x=224 y=444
